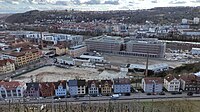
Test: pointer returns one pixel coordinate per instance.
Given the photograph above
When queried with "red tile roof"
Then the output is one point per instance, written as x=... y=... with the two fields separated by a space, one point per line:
x=11 y=85
x=60 y=46
x=3 y=62
x=188 y=78
x=22 y=53
x=149 y=80
x=170 y=77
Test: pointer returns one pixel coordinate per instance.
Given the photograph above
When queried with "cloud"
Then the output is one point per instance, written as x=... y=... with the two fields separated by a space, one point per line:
x=177 y=2
x=154 y=1
x=113 y=2
x=195 y=1
x=93 y=2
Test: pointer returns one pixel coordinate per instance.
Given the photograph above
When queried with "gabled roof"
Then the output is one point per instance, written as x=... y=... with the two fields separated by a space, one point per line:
x=170 y=77
x=189 y=78
x=3 y=62
x=22 y=52
x=11 y=85
x=109 y=82
x=44 y=85
x=60 y=46
x=122 y=81
x=151 y=80
x=90 y=82
x=34 y=85
x=60 y=83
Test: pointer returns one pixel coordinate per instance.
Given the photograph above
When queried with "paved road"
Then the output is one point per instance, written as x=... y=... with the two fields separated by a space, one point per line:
x=104 y=99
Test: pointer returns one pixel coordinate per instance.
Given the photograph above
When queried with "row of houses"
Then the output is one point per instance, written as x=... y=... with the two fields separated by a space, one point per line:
x=63 y=88
x=14 y=89
x=171 y=83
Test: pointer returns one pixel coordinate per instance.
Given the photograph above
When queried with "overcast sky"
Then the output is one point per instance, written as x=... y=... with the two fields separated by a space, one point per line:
x=9 y=6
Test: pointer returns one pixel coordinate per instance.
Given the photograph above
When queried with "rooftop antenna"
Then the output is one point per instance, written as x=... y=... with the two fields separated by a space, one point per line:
x=41 y=42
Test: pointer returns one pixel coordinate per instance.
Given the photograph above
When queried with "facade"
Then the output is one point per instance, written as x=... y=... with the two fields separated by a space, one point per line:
x=66 y=60
x=32 y=90
x=81 y=61
x=190 y=32
x=60 y=50
x=47 y=89
x=122 y=85
x=190 y=83
x=195 y=51
x=130 y=47
x=73 y=87
x=12 y=89
x=93 y=57
x=7 y=65
x=106 y=87
x=152 y=48
x=93 y=87
x=77 y=87
x=76 y=51
x=152 y=85
x=23 y=57
x=60 y=88
x=105 y=44
x=156 y=68
x=171 y=83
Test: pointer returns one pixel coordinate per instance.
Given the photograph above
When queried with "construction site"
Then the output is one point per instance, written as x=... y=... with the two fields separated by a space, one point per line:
x=53 y=73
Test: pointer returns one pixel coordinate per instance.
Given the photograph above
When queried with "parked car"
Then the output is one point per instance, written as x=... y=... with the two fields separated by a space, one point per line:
x=148 y=93
x=176 y=92
x=115 y=96
x=161 y=93
x=190 y=93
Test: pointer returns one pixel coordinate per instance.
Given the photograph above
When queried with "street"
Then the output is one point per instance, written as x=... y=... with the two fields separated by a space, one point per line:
x=103 y=99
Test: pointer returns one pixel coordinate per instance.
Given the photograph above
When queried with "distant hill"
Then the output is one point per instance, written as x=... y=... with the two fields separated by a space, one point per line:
x=157 y=15
x=4 y=16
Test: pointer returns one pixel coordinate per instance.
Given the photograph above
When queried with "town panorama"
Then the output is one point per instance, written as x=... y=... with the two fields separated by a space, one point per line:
x=73 y=60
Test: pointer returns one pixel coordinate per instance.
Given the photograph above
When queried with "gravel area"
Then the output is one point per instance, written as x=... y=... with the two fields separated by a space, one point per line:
x=52 y=73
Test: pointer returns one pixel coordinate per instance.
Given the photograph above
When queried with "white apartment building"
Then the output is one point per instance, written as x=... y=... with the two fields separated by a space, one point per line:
x=171 y=83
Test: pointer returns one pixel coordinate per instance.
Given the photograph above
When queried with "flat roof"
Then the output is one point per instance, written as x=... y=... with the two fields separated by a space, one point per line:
x=150 y=67
x=195 y=48
x=107 y=39
x=68 y=58
x=76 y=47
x=197 y=74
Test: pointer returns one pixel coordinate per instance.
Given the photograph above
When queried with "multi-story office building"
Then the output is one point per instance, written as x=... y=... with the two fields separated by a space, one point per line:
x=133 y=46
x=106 y=44
x=76 y=51
x=153 y=48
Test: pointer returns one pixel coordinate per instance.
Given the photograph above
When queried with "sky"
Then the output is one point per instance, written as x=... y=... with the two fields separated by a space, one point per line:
x=13 y=6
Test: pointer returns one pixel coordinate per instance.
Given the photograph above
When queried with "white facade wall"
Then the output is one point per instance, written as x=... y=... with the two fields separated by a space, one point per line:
x=173 y=85
x=195 y=51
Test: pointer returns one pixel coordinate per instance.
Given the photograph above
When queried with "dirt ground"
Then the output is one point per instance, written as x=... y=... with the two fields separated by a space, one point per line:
x=52 y=73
